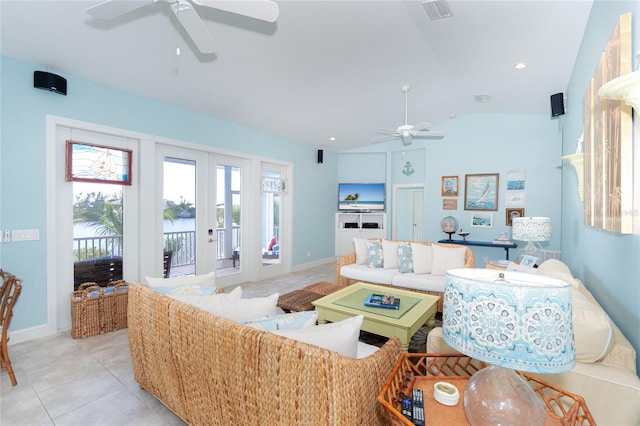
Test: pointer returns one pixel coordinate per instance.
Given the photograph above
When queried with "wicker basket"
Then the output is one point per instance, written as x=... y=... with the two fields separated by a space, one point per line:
x=420 y=370
x=98 y=310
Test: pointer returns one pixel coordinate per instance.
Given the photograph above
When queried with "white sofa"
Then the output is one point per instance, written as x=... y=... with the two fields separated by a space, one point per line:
x=605 y=372
x=413 y=265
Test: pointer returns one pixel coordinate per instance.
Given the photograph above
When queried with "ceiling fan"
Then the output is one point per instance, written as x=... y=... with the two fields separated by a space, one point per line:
x=407 y=132
x=264 y=10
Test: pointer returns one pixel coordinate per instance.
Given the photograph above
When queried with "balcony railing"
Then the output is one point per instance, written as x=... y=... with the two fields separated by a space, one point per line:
x=182 y=244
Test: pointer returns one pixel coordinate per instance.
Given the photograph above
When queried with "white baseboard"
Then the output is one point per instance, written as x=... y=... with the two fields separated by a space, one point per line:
x=30 y=333
x=313 y=264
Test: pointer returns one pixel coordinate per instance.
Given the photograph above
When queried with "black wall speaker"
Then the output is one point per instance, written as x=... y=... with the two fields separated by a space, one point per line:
x=557 y=104
x=48 y=81
x=320 y=156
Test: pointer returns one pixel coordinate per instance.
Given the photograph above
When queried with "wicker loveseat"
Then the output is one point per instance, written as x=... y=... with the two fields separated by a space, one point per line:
x=213 y=371
x=350 y=271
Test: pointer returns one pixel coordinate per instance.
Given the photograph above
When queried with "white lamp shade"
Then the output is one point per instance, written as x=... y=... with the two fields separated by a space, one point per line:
x=510 y=319
x=531 y=228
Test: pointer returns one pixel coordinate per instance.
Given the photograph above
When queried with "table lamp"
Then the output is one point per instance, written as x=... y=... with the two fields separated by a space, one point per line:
x=533 y=230
x=512 y=321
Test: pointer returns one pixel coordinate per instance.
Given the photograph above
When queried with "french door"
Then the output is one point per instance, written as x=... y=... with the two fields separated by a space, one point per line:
x=202 y=213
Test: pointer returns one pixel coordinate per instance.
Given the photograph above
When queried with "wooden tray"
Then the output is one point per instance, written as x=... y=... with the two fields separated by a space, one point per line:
x=420 y=370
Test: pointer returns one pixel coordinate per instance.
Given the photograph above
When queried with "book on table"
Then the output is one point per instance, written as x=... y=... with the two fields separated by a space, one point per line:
x=382 y=301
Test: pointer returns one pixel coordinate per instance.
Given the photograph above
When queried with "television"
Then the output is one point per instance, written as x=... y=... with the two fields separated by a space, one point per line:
x=361 y=197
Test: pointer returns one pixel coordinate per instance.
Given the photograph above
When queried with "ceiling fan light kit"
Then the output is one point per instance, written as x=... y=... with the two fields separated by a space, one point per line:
x=407 y=132
x=264 y=10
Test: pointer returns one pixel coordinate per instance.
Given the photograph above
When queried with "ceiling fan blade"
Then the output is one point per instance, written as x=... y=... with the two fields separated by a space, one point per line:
x=406 y=138
x=384 y=138
x=194 y=26
x=422 y=126
x=428 y=133
x=387 y=131
x=264 y=10
x=113 y=8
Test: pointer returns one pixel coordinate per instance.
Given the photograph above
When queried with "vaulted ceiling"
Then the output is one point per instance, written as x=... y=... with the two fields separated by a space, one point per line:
x=324 y=68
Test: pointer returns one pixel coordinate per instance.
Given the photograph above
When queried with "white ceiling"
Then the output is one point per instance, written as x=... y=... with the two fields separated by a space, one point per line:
x=325 y=68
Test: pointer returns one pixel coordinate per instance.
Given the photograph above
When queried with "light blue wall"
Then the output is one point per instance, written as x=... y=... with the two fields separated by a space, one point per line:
x=608 y=263
x=22 y=171
x=478 y=144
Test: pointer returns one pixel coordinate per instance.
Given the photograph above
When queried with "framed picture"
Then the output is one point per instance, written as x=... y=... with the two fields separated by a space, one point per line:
x=528 y=261
x=449 y=204
x=481 y=191
x=515 y=199
x=482 y=220
x=98 y=163
x=449 y=186
x=513 y=213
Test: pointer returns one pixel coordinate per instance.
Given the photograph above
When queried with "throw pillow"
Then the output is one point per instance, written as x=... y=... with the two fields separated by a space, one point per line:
x=292 y=321
x=206 y=279
x=341 y=337
x=241 y=309
x=390 y=249
x=207 y=300
x=422 y=258
x=375 y=255
x=187 y=290
x=360 y=245
x=445 y=258
x=592 y=332
x=405 y=258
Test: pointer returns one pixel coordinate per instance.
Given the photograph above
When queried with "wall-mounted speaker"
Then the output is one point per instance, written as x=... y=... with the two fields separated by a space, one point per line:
x=320 y=156
x=48 y=81
x=557 y=104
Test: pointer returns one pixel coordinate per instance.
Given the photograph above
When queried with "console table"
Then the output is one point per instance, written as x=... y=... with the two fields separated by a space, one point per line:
x=505 y=246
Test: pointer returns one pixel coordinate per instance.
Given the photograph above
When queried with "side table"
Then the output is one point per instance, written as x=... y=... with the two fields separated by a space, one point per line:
x=423 y=370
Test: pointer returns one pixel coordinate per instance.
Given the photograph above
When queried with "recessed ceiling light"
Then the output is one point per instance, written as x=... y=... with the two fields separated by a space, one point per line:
x=519 y=65
x=332 y=138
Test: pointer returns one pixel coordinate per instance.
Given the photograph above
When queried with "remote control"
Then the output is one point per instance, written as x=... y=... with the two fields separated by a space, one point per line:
x=418 y=407
x=407 y=407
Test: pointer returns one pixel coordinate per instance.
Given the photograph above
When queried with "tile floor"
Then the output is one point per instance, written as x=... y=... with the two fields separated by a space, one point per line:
x=62 y=381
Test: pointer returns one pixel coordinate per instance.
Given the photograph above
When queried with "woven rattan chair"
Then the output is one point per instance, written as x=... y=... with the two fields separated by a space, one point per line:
x=9 y=292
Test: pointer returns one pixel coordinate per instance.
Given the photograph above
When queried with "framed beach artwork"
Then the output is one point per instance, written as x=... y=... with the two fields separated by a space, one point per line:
x=515 y=198
x=481 y=191
x=449 y=186
x=482 y=220
x=449 y=204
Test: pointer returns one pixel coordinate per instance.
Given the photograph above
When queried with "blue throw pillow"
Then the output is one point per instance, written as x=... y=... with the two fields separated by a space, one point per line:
x=292 y=321
x=375 y=255
x=405 y=258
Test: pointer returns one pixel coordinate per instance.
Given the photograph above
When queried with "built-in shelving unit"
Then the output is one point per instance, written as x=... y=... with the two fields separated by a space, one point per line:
x=357 y=225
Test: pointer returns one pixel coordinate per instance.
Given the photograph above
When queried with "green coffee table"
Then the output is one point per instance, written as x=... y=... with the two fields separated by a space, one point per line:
x=415 y=310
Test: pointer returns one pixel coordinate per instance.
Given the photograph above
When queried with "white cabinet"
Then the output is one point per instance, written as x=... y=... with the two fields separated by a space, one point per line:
x=357 y=225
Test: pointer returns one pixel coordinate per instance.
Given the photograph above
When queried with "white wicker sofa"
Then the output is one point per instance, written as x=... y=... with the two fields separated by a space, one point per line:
x=605 y=372
x=425 y=273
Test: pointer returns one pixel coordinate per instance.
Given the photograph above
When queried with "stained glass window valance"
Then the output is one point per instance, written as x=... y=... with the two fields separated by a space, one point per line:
x=97 y=163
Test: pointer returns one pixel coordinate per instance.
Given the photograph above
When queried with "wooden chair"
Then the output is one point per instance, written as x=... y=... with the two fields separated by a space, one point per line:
x=167 y=263
x=9 y=292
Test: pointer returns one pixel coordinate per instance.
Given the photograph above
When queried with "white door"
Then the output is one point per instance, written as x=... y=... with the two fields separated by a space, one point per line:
x=408 y=212
x=188 y=221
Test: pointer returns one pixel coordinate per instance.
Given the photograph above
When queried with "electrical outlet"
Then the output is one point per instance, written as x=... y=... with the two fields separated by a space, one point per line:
x=308 y=254
x=486 y=260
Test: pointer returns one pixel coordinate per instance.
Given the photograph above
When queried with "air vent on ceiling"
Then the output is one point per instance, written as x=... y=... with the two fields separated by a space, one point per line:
x=437 y=9
x=482 y=99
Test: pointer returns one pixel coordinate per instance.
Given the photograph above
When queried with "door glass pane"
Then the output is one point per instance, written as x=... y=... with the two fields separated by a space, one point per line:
x=97 y=233
x=272 y=185
x=228 y=219
x=179 y=225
